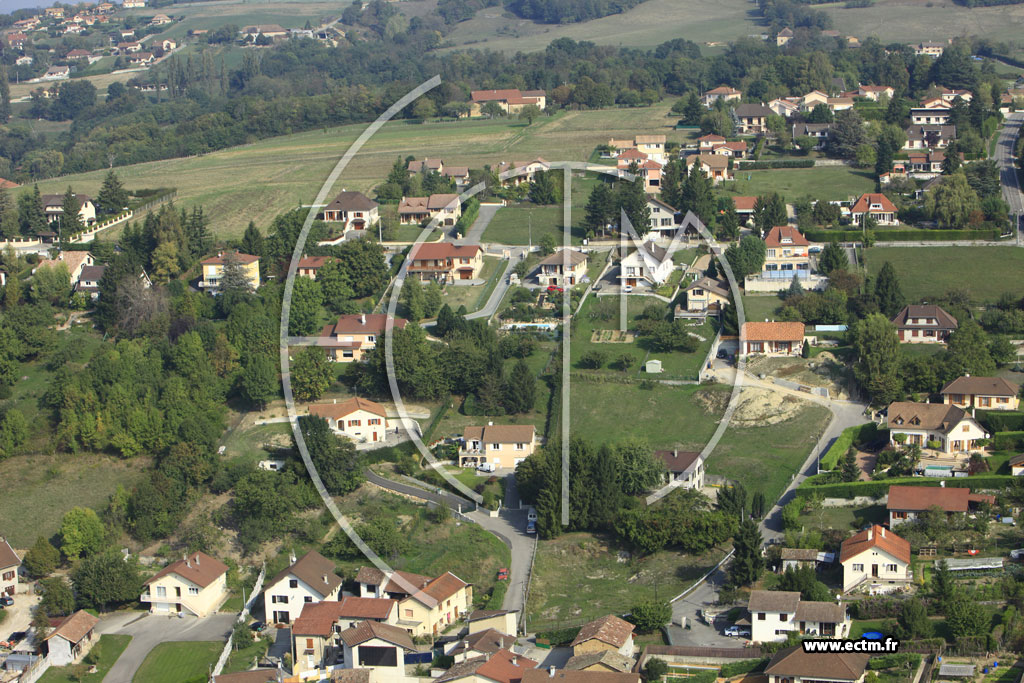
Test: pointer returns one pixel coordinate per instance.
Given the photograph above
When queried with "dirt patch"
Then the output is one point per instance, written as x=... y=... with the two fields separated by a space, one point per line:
x=824 y=370
x=611 y=337
x=866 y=462
x=713 y=401
x=760 y=407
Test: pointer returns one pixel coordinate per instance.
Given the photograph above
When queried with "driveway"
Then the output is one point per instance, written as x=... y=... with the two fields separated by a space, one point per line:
x=483 y=219
x=149 y=630
x=700 y=634
x=19 y=615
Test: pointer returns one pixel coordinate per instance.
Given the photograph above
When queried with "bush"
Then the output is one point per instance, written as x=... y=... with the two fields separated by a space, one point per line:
x=901 y=235
x=497 y=596
x=1008 y=441
x=743 y=666
x=907 y=660
x=860 y=435
x=1001 y=420
x=876 y=489
x=777 y=163
x=561 y=636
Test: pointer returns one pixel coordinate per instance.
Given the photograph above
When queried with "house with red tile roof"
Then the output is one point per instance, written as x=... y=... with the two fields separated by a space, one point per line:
x=793 y=665
x=876 y=205
x=310 y=579
x=607 y=633
x=213 y=270
x=354 y=210
x=877 y=556
x=425 y=605
x=353 y=335
x=504 y=666
x=906 y=503
x=360 y=419
x=196 y=584
x=772 y=338
x=309 y=265
x=445 y=261
x=412 y=210
x=10 y=564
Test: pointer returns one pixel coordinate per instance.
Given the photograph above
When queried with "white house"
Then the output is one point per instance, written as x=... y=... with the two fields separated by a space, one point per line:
x=686 y=467
x=649 y=264
x=875 y=555
x=376 y=646
x=309 y=579
x=793 y=665
x=938 y=426
x=774 y=614
x=10 y=563
x=357 y=418
x=662 y=216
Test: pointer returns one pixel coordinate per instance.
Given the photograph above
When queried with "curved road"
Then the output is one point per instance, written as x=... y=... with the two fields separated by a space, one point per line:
x=1007 y=170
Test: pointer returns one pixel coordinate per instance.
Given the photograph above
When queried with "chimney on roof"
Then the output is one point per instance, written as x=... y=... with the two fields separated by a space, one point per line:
x=362 y=318
x=291 y=556
x=942 y=484
x=197 y=559
x=883 y=531
x=490 y=423
x=871 y=533
x=514 y=660
x=325 y=578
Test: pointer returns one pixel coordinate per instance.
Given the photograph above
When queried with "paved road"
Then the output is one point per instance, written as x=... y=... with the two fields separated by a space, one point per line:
x=491 y=307
x=483 y=219
x=149 y=630
x=700 y=634
x=1007 y=171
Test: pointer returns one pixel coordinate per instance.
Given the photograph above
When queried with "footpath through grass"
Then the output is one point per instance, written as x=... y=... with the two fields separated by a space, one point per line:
x=177 y=662
x=108 y=649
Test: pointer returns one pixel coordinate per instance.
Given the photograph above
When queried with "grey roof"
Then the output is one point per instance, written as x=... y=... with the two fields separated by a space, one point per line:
x=351 y=201
x=558 y=258
x=821 y=612
x=773 y=601
x=747 y=110
x=609 y=658
x=811 y=128
x=956 y=670
x=960 y=564
x=800 y=554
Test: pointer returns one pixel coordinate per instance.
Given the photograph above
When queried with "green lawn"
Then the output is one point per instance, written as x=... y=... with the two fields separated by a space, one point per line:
x=927 y=272
x=917 y=350
x=526 y=224
x=757 y=308
x=842 y=518
x=764 y=458
x=177 y=662
x=665 y=416
x=826 y=182
x=245 y=658
x=578 y=577
x=108 y=648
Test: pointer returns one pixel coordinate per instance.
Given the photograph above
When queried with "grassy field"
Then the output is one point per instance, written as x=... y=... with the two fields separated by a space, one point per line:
x=644 y=26
x=109 y=648
x=757 y=308
x=243 y=660
x=528 y=224
x=986 y=272
x=559 y=595
x=100 y=81
x=261 y=180
x=666 y=416
x=843 y=518
x=765 y=458
x=174 y=662
x=475 y=296
x=906 y=21
x=212 y=16
x=827 y=183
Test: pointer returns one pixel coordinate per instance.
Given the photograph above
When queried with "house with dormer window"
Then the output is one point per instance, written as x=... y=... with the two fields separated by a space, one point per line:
x=876 y=205
x=924 y=324
x=937 y=426
x=647 y=265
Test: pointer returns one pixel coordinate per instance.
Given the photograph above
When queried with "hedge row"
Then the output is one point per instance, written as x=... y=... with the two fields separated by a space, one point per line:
x=559 y=636
x=744 y=666
x=876 y=489
x=859 y=434
x=777 y=163
x=1001 y=420
x=896 y=659
x=1008 y=441
x=901 y=235
x=468 y=217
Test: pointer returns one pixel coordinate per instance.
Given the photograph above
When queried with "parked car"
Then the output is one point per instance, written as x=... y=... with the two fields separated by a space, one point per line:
x=503 y=574
x=737 y=632
x=722 y=353
x=531 y=515
x=6 y=601
x=627 y=288
x=531 y=527
x=554 y=288
x=814 y=249
x=257 y=627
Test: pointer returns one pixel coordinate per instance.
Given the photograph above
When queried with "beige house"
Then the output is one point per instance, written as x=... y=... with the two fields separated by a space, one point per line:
x=10 y=563
x=518 y=172
x=412 y=210
x=316 y=641
x=937 y=426
x=705 y=296
x=715 y=166
x=607 y=633
x=381 y=648
x=53 y=206
x=924 y=324
x=555 y=272
x=511 y=100
x=663 y=217
x=354 y=210
x=751 y=119
x=425 y=605
x=501 y=620
x=308 y=266
x=684 y=467
x=793 y=665
x=446 y=262
x=772 y=338
x=650 y=144
x=360 y=419
x=71 y=638
x=774 y=614
x=906 y=503
x=876 y=205
x=504 y=446
x=196 y=584
x=213 y=270
x=307 y=580
x=355 y=334
x=786 y=255
x=722 y=92
x=875 y=556
x=984 y=393
x=783 y=36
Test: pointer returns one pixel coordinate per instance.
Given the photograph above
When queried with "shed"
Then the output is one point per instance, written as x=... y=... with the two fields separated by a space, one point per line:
x=653 y=367
x=956 y=670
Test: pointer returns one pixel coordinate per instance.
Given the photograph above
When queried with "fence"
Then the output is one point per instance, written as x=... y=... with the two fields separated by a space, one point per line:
x=88 y=235
x=226 y=652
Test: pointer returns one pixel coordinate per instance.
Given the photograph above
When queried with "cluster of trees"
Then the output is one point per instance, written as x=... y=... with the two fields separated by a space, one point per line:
x=567 y=11
x=607 y=202
x=470 y=363
x=399 y=183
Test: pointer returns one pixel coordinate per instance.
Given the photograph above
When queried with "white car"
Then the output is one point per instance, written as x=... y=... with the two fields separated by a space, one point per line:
x=531 y=516
x=627 y=288
x=737 y=632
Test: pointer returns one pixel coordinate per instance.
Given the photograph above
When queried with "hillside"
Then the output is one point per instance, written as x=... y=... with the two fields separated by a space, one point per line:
x=258 y=181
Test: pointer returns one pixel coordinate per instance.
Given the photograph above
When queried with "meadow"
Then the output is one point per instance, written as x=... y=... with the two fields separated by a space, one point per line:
x=825 y=182
x=907 y=21
x=173 y=662
x=928 y=272
x=260 y=180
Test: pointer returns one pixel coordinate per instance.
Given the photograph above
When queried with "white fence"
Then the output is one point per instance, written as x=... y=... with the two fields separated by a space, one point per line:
x=226 y=652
